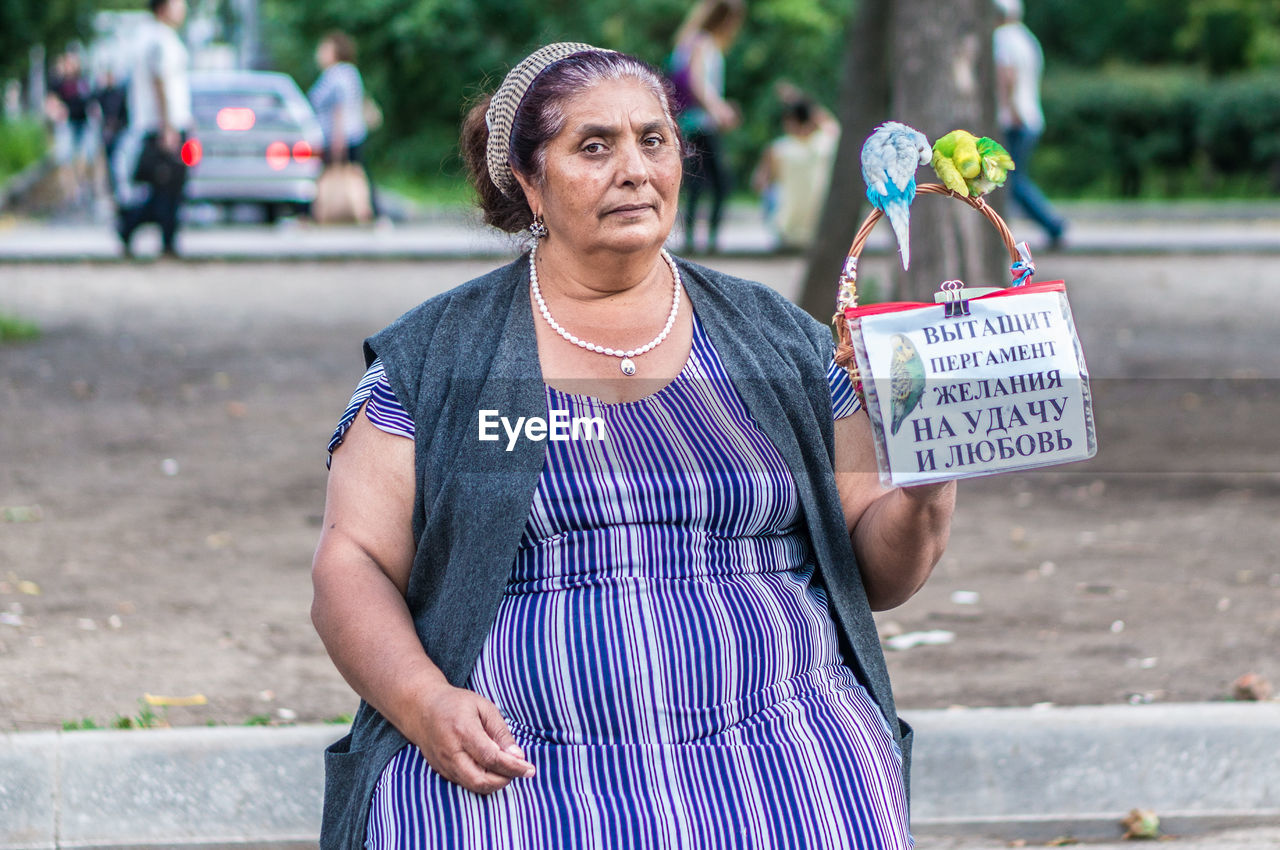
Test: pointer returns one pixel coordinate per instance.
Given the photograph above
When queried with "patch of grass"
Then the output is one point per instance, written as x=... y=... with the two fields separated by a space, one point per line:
x=146 y=718
x=340 y=720
x=258 y=720
x=22 y=142
x=14 y=329
x=82 y=725
x=437 y=192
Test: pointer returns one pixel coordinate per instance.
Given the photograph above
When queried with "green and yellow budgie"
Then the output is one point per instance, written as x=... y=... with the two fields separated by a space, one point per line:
x=969 y=165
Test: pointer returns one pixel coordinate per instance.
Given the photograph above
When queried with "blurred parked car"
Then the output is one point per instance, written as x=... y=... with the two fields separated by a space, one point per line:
x=257 y=141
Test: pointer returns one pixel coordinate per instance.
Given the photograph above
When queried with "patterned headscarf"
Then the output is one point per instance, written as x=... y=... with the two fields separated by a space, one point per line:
x=506 y=100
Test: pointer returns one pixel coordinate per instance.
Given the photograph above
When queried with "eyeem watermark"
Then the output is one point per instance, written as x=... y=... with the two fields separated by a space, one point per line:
x=558 y=428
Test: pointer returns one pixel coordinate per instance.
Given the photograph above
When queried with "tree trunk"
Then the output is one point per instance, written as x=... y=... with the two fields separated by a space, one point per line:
x=927 y=65
x=864 y=99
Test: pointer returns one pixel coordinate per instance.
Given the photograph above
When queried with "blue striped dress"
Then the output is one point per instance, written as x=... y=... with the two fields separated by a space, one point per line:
x=662 y=653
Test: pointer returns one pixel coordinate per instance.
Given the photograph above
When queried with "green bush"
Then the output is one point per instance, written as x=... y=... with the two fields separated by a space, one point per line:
x=1159 y=133
x=21 y=143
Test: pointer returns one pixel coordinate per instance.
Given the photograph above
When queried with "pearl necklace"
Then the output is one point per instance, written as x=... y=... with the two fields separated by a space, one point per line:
x=628 y=365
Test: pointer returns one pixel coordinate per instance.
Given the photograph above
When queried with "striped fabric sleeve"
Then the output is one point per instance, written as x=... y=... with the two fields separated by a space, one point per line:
x=844 y=398
x=383 y=409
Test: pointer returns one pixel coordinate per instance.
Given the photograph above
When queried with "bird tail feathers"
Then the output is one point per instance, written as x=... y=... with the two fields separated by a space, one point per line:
x=899 y=215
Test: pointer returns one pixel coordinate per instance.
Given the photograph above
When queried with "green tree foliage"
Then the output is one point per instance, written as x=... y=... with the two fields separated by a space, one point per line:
x=424 y=60
x=53 y=23
x=1219 y=35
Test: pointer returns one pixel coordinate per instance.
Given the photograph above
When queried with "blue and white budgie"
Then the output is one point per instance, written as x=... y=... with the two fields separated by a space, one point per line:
x=890 y=157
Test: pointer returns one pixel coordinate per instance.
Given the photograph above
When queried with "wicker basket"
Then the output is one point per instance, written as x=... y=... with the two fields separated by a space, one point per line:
x=848 y=297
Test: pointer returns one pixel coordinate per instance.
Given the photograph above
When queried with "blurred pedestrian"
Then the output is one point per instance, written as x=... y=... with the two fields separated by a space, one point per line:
x=112 y=101
x=339 y=101
x=71 y=87
x=697 y=61
x=795 y=171
x=61 y=147
x=1019 y=63
x=150 y=171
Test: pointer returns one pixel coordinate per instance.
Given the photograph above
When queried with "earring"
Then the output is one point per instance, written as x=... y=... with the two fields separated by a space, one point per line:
x=538 y=227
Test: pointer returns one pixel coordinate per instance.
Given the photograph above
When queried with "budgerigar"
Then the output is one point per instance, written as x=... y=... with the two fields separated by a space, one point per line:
x=906 y=380
x=890 y=157
x=956 y=160
x=969 y=165
x=996 y=165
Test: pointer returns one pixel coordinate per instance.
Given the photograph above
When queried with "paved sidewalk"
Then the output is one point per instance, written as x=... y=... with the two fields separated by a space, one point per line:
x=1127 y=229
x=983 y=778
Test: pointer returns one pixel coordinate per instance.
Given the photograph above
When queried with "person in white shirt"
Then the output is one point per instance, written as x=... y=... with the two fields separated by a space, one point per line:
x=1019 y=63
x=795 y=172
x=159 y=119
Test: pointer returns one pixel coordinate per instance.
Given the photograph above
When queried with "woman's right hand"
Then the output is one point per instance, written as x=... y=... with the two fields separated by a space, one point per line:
x=465 y=739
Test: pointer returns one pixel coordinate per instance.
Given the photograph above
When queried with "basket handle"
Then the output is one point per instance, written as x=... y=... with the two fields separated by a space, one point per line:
x=849 y=276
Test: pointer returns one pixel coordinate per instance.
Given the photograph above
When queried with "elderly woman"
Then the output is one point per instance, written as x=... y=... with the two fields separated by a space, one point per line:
x=653 y=630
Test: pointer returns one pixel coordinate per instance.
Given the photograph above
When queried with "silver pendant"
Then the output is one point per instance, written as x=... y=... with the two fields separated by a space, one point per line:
x=628 y=366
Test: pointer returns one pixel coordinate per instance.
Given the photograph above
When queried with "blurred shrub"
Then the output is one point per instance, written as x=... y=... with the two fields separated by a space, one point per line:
x=1159 y=132
x=22 y=142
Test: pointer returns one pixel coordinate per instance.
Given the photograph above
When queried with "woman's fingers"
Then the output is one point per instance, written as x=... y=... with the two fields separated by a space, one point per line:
x=496 y=727
x=495 y=749
x=476 y=779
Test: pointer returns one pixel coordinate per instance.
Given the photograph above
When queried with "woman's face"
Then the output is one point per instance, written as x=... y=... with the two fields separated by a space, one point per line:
x=612 y=176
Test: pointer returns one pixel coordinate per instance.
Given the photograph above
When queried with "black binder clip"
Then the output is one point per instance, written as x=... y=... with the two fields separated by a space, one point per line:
x=954 y=303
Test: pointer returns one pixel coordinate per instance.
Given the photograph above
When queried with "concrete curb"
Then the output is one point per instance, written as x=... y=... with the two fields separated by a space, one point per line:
x=1037 y=774
x=1007 y=772
x=200 y=787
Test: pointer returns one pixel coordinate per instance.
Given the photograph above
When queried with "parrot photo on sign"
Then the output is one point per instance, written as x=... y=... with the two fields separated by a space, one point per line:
x=890 y=157
x=906 y=380
x=970 y=166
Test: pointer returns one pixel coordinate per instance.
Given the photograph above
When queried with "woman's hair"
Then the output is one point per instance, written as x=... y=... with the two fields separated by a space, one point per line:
x=540 y=118
x=344 y=48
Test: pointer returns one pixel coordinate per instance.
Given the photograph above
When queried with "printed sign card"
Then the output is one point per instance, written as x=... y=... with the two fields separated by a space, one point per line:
x=1002 y=386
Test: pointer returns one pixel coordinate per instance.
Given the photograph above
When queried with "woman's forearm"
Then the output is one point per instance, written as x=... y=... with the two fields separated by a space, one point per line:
x=899 y=540
x=365 y=625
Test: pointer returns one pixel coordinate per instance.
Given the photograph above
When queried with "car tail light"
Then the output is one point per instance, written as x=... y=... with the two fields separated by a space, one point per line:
x=302 y=151
x=236 y=118
x=192 y=152
x=277 y=156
